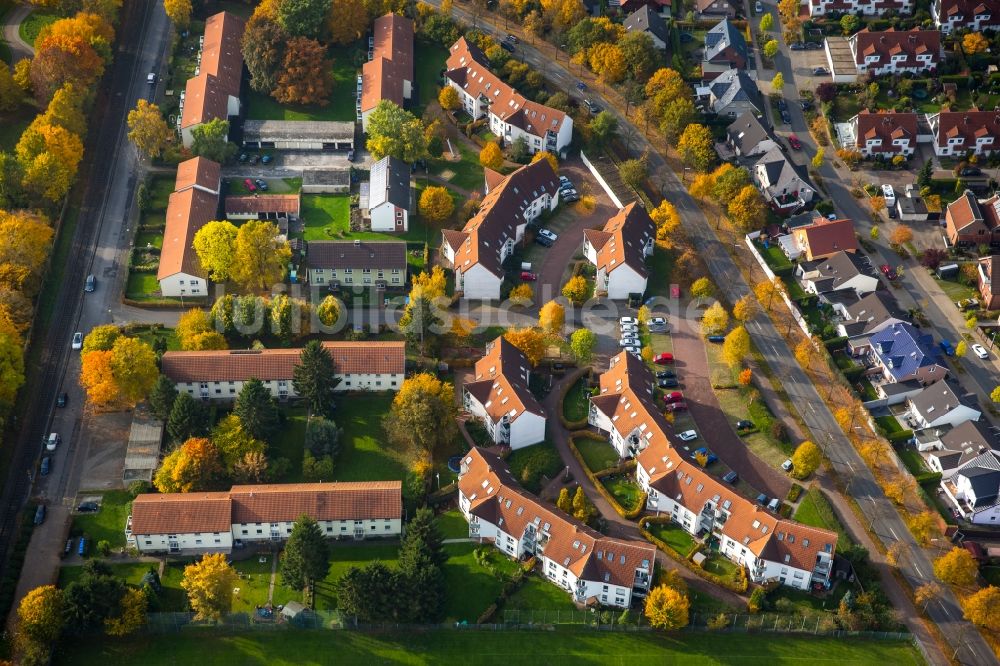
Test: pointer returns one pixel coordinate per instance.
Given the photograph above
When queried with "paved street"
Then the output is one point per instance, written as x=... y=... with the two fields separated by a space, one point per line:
x=19 y=49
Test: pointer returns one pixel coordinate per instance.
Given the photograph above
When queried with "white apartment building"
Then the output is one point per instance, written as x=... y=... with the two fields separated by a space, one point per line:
x=619 y=252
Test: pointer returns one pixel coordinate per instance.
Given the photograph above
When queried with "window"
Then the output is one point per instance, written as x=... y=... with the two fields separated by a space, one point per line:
x=260 y=531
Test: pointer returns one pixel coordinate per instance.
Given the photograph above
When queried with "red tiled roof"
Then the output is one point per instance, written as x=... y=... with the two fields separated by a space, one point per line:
x=824 y=237
x=383 y=76
x=220 y=72
x=629 y=231
x=970 y=125
x=320 y=501
x=887 y=126
x=988 y=264
x=187 y=212
x=501 y=382
x=376 y=255
x=968 y=10
x=181 y=513
x=626 y=397
x=283 y=204
x=888 y=43
x=198 y=172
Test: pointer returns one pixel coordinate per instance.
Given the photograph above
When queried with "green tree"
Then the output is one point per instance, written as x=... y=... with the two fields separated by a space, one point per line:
x=305 y=18
x=369 y=594
x=639 y=54
x=188 y=418
x=315 y=378
x=582 y=343
x=422 y=416
x=93 y=597
x=633 y=172
x=322 y=437
x=766 y=22
x=603 y=127
x=162 y=397
x=925 y=174
x=211 y=140
x=256 y=410
x=849 y=23
x=393 y=131
x=770 y=48
x=306 y=557
x=264 y=45
x=420 y=559
x=234 y=442
x=676 y=115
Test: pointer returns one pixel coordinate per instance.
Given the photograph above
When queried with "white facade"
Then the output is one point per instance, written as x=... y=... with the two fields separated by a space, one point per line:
x=526 y=429
x=477 y=283
x=953 y=417
x=364 y=277
x=283 y=389
x=389 y=218
x=961 y=492
x=861 y=284
x=207 y=542
x=620 y=282
x=553 y=142
x=182 y=284
x=866 y=7
x=974 y=22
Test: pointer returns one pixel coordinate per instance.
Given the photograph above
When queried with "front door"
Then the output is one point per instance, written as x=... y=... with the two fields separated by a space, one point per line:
x=174 y=546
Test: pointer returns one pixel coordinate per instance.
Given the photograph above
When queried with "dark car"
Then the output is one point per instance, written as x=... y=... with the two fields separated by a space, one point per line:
x=244 y=157
x=718 y=339
x=813 y=46
x=46 y=466
x=62 y=400
x=507 y=46
x=806 y=104
x=88 y=507
x=970 y=171
x=786 y=117
x=69 y=547
x=261 y=184
x=668 y=383
x=731 y=477
x=265 y=159
x=743 y=424
x=511 y=38
x=782 y=104
x=666 y=374
x=254 y=159
x=580 y=85
x=797 y=46
x=40 y=514
x=820 y=71
x=543 y=241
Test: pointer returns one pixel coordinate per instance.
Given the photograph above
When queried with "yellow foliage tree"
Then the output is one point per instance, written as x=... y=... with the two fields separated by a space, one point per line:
x=49 y=156
x=715 y=320
x=702 y=186
x=745 y=309
x=131 y=615
x=328 y=310
x=667 y=608
x=25 y=241
x=522 y=294
x=901 y=235
x=178 y=11
x=436 y=203
x=552 y=318
x=530 y=341
x=608 y=62
x=974 y=43
x=983 y=607
x=194 y=466
x=215 y=245
x=546 y=155
x=668 y=83
x=209 y=585
x=696 y=147
x=747 y=208
x=576 y=290
x=422 y=416
x=448 y=98
x=736 y=347
x=667 y=220
x=40 y=614
x=196 y=332
x=148 y=130
x=133 y=365
x=491 y=156
x=899 y=488
x=924 y=526
x=97 y=379
x=259 y=257
x=806 y=354
x=957 y=567
x=66 y=109
x=926 y=593
x=746 y=376
x=348 y=21
x=806 y=459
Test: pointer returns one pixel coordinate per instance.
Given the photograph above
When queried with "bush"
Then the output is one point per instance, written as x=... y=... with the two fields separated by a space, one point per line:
x=794 y=492
x=779 y=431
x=834 y=344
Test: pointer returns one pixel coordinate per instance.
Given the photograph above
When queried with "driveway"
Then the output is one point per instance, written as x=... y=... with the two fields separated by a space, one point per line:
x=19 y=49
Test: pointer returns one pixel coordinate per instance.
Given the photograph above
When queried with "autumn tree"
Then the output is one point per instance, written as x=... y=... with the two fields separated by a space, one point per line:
x=132 y=613
x=715 y=319
x=957 y=567
x=40 y=614
x=576 y=290
x=422 y=312
x=148 y=131
x=209 y=585
x=449 y=101
x=696 y=147
x=806 y=354
x=974 y=42
x=729 y=182
x=583 y=509
x=315 y=378
x=901 y=235
x=745 y=377
x=530 y=341
x=436 y=203
x=581 y=344
x=778 y=82
x=770 y=48
x=393 y=131
x=328 y=311
x=259 y=257
x=196 y=465
x=806 y=459
x=214 y=244
x=548 y=157
x=48 y=156
x=608 y=62
x=11 y=95
x=62 y=58
x=702 y=288
x=766 y=22
x=97 y=379
x=491 y=156
x=961 y=348
x=133 y=365
x=633 y=172
x=983 y=607
x=307 y=74
x=877 y=204
x=667 y=82
x=211 y=140
x=747 y=209
x=995 y=394
x=667 y=221
x=264 y=44
x=66 y=110
x=522 y=294
x=422 y=416
x=347 y=22
x=195 y=332
x=178 y=11
x=552 y=318
x=25 y=241
x=667 y=609
x=736 y=347
x=701 y=186
x=564 y=503
x=305 y=18
x=927 y=593
x=745 y=309
x=924 y=527
x=817 y=160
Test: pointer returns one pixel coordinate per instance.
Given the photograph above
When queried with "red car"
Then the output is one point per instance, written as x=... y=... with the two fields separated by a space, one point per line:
x=675 y=291
x=676 y=407
x=888 y=271
x=250 y=186
x=673 y=396
x=794 y=142
x=528 y=276
x=664 y=358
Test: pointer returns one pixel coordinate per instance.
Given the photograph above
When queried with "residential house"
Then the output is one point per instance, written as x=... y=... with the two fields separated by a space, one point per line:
x=220 y=375
x=868 y=315
x=911 y=207
x=388 y=74
x=499 y=396
x=964 y=133
x=619 y=252
x=970 y=221
x=661 y=7
x=625 y=407
x=389 y=195
x=650 y=22
x=770 y=548
x=214 y=92
x=989 y=289
x=298 y=134
x=972 y=15
x=748 y=136
x=357 y=263
x=276 y=207
x=941 y=403
x=900 y=352
x=841 y=271
x=732 y=93
x=477 y=253
x=864 y=7
x=712 y=8
x=592 y=568
x=820 y=239
x=511 y=115
x=885 y=133
x=783 y=184
x=213 y=522
x=725 y=49
x=975 y=490
x=893 y=51
x=194 y=203
x=947 y=449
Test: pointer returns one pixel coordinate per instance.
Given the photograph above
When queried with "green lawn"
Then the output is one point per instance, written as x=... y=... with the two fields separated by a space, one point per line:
x=625 y=491
x=255 y=579
x=33 y=24
x=469 y=587
x=365 y=455
x=661 y=264
x=867 y=390
x=427 y=72
x=160 y=189
x=308 y=648
x=452 y=525
x=673 y=535
x=12 y=125
x=172 y=598
x=148 y=335
x=291 y=443
x=913 y=461
x=596 y=452
x=538 y=593
x=815 y=510
x=149 y=239
x=576 y=403
x=720 y=566
x=341 y=106
x=326 y=216
x=466 y=174
x=142 y=285
x=108 y=524
x=774 y=256
x=956 y=291
x=343 y=556
x=530 y=464
x=889 y=424
x=131 y=572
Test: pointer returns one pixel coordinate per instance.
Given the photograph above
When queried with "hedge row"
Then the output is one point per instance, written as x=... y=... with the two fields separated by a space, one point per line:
x=833 y=344
x=853 y=374
x=573 y=379
x=596 y=479
x=509 y=588
x=929 y=478
x=901 y=436
x=794 y=492
x=737 y=587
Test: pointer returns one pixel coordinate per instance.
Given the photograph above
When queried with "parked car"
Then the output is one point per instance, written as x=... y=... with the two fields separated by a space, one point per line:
x=634 y=350
x=543 y=241
x=782 y=104
x=744 y=424
x=88 y=507
x=580 y=85
x=947 y=348
x=151 y=79
x=797 y=46
x=980 y=351
x=82 y=549
x=667 y=383
x=666 y=374
x=266 y=159
x=787 y=465
x=888 y=271
x=62 y=400
x=568 y=192
x=813 y=46
x=511 y=38
x=774 y=504
x=718 y=339
x=656 y=321
x=566 y=185
x=676 y=407
x=571 y=198
x=52 y=441
x=758 y=7
x=731 y=477
x=821 y=71
x=68 y=548
x=786 y=117
x=762 y=499
x=563 y=180
x=90 y=284
x=688 y=435
x=794 y=142
x=244 y=157
x=261 y=184
x=675 y=291
x=249 y=185
x=630 y=342
x=806 y=104
x=709 y=456
x=77 y=340
x=673 y=396
x=545 y=233
x=46 y=466
x=507 y=46
x=663 y=359
x=632 y=328
x=40 y=514
x=528 y=276
x=970 y=171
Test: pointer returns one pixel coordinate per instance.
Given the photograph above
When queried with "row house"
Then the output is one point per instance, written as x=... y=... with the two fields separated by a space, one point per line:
x=389 y=196
x=511 y=115
x=357 y=263
x=971 y=221
x=499 y=396
x=213 y=93
x=619 y=252
x=388 y=74
x=973 y=15
x=278 y=208
x=885 y=133
x=989 y=289
x=864 y=7
x=962 y=133
x=941 y=404
x=193 y=204
x=216 y=522
x=220 y=375
x=625 y=406
x=783 y=184
x=895 y=52
x=592 y=568
x=478 y=251
x=725 y=48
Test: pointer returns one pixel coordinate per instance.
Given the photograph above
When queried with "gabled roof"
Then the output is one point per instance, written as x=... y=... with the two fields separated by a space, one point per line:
x=984 y=479
x=390 y=182
x=329 y=131
x=734 y=85
x=495 y=496
x=939 y=398
x=391 y=65
x=964 y=445
x=827 y=236
x=219 y=73
x=831 y=273
x=181 y=513
x=969 y=125
x=646 y=20
x=187 y=212
x=626 y=397
x=783 y=175
x=357 y=254
x=965 y=211
x=889 y=43
x=987 y=264
x=871 y=312
x=198 y=172
x=887 y=126
x=501 y=382
x=965 y=11
x=747 y=132
x=906 y=352
x=368 y=357
x=628 y=234
x=724 y=35
x=286 y=502
x=501 y=212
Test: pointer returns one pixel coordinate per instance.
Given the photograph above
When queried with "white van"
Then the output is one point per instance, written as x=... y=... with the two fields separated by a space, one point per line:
x=889 y=196
x=52 y=442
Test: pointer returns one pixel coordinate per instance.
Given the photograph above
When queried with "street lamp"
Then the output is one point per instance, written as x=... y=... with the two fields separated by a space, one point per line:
x=685 y=174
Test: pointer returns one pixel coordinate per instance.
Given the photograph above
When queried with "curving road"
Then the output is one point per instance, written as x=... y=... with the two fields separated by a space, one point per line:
x=914 y=565
x=19 y=49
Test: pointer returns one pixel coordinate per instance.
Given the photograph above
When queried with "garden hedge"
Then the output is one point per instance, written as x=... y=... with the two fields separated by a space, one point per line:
x=737 y=587
x=573 y=379
x=596 y=478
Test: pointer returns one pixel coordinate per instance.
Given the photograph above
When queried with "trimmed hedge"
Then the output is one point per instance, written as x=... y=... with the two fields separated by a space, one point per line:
x=928 y=478
x=596 y=478
x=794 y=492
x=573 y=379
x=738 y=588
x=853 y=374
x=833 y=344
x=901 y=436
x=443 y=495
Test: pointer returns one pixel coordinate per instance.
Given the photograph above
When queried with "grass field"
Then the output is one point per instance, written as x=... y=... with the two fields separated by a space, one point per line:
x=596 y=452
x=466 y=173
x=131 y=572
x=347 y=555
x=33 y=24
x=302 y=647
x=108 y=524
x=291 y=443
x=530 y=464
x=452 y=525
x=575 y=405
x=149 y=336
x=537 y=593
x=255 y=579
x=625 y=491
x=326 y=216
x=673 y=535
x=365 y=455
x=428 y=72
x=142 y=285
x=815 y=510
x=341 y=106
x=469 y=587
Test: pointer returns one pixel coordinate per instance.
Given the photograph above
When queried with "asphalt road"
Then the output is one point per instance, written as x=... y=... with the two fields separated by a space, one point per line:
x=915 y=565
